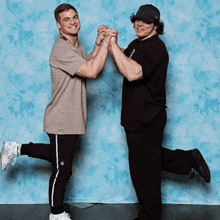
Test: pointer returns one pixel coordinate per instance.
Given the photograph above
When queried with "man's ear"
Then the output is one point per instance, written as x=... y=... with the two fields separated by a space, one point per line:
x=58 y=25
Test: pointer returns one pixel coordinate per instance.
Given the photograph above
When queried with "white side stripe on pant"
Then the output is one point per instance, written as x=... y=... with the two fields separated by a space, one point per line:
x=55 y=179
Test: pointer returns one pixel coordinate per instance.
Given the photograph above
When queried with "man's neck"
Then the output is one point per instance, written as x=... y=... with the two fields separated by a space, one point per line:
x=72 y=39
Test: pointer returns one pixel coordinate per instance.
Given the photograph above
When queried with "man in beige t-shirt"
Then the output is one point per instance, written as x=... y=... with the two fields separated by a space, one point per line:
x=65 y=116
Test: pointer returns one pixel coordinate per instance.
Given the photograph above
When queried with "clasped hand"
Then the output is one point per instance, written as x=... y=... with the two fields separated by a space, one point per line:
x=107 y=34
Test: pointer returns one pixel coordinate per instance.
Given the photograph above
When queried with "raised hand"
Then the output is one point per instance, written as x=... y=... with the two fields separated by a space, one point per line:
x=108 y=34
x=102 y=29
x=101 y=34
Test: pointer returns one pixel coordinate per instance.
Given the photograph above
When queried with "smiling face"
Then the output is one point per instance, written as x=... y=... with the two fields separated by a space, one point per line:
x=69 y=23
x=144 y=30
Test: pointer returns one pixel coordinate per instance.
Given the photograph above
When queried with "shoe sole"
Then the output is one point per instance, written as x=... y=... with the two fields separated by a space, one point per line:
x=205 y=173
x=2 y=159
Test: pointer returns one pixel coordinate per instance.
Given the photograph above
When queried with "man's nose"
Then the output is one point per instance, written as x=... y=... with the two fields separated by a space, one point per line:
x=72 y=21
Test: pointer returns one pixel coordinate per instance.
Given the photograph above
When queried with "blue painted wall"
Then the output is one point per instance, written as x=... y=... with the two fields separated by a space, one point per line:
x=28 y=32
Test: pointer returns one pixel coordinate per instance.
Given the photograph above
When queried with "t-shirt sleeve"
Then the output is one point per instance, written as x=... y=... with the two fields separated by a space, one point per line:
x=68 y=61
x=149 y=60
x=148 y=57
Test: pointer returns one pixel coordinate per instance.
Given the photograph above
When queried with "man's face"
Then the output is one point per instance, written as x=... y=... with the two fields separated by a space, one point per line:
x=69 y=23
x=144 y=30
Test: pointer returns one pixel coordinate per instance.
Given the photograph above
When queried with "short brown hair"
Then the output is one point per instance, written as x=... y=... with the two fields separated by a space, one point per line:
x=61 y=8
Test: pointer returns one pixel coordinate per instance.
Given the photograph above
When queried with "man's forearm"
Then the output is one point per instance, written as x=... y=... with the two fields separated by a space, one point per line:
x=98 y=62
x=95 y=51
x=94 y=66
x=127 y=67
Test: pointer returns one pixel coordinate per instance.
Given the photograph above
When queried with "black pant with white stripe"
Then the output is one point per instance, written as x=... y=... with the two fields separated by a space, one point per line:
x=60 y=153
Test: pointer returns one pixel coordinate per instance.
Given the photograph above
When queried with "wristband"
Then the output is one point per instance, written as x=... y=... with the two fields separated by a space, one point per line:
x=97 y=44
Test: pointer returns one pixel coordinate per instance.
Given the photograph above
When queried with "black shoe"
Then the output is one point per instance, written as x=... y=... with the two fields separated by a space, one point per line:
x=201 y=166
x=139 y=218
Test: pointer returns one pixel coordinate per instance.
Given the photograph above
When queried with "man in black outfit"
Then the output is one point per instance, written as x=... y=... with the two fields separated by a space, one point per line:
x=144 y=67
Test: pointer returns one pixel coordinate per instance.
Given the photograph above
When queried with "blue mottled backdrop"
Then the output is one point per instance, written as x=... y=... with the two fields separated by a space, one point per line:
x=28 y=32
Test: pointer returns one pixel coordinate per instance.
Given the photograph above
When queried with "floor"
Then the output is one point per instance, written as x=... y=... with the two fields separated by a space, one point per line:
x=109 y=212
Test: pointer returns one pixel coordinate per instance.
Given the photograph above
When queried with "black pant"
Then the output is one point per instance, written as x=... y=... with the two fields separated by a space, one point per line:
x=146 y=160
x=60 y=153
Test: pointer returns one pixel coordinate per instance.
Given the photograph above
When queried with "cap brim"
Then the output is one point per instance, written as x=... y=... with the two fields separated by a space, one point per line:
x=134 y=18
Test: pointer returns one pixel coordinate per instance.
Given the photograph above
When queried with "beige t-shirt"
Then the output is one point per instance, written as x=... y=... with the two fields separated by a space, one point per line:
x=67 y=112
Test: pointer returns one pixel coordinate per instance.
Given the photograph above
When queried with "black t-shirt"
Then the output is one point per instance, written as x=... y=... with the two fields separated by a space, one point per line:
x=142 y=100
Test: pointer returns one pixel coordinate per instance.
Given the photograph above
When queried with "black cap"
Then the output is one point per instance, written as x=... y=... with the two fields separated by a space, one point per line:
x=147 y=13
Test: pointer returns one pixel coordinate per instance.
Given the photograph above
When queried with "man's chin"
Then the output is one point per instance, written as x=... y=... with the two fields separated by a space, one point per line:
x=141 y=38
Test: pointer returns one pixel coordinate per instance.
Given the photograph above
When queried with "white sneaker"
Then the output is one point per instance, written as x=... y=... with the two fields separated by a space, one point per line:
x=62 y=216
x=9 y=151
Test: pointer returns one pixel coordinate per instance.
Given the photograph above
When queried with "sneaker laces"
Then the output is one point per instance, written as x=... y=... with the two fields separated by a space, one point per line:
x=13 y=155
x=13 y=161
x=64 y=216
x=67 y=215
